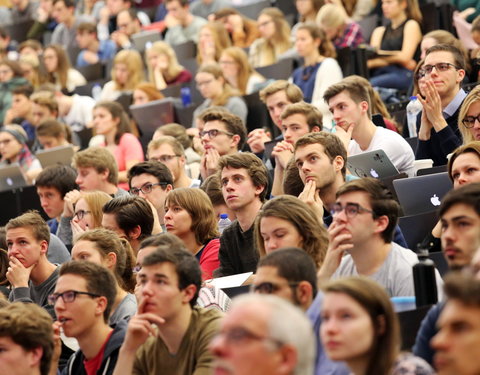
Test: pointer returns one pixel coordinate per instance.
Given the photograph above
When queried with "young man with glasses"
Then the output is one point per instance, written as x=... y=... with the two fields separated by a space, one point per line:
x=152 y=181
x=30 y=274
x=170 y=152
x=364 y=220
x=170 y=334
x=438 y=134
x=83 y=299
x=223 y=134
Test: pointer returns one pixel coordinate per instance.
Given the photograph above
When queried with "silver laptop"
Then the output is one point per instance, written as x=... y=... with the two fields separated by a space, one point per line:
x=151 y=115
x=422 y=193
x=11 y=177
x=371 y=164
x=142 y=40
x=56 y=155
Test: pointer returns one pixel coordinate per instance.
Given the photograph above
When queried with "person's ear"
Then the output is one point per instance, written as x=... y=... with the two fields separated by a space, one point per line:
x=110 y=260
x=44 y=247
x=102 y=303
x=382 y=223
x=288 y=360
x=364 y=106
x=316 y=129
x=189 y=293
x=235 y=140
x=135 y=232
x=338 y=163
x=304 y=292
x=460 y=75
x=34 y=357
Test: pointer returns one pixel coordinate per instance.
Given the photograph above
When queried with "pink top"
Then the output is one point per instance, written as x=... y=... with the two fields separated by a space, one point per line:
x=129 y=148
x=209 y=258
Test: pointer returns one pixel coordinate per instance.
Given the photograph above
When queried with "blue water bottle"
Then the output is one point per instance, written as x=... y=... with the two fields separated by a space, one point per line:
x=186 y=96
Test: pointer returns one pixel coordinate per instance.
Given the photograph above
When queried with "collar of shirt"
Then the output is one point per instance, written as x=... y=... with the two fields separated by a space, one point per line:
x=452 y=107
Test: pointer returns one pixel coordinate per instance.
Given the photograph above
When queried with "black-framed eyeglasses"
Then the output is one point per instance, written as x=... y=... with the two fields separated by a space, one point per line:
x=146 y=189
x=440 y=67
x=469 y=121
x=351 y=210
x=239 y=335
x=68 y=296
x=164 y=158
x=269 y=287
x=80 y=214
x=213 y=133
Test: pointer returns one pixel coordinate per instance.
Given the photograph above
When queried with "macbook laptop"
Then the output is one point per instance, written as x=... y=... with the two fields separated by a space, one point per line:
x=56 y=155
x=371 y=164
x=11 y=177
x=422 y=193
x=151 y=115
x=142 y=40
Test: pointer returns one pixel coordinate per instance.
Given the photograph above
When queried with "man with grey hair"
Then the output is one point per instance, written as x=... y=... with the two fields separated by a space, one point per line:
x=254 y=338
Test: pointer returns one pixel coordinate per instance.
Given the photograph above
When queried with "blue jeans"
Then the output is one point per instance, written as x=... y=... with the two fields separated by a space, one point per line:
x=393 y=77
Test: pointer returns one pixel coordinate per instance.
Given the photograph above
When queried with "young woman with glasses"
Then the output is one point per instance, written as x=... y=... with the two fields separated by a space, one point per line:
x=469 y=117
x=286 y=221
x=189 y=215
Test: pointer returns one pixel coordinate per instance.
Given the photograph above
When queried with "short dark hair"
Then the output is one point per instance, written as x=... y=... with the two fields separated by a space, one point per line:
x=100 y=281
x=162 y=239
x=68 y=3
x=293 y=264
x=60 y=177
x=463 y=287
x=468 y=195
x=129 y=212
x=183 y=3
x=87 y=27
x=25 y=90
x=233 y=123
x=458 y=56
x=254 y=166
x=312 y=114
x=154 y=168
x=186 y=266
x=212 y=187
x=357 y=92
x=32 y=220
x=381 y=200
x=29 y=326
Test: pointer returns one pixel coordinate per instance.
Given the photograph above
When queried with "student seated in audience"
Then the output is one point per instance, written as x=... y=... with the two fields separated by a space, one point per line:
x=369 y=342
x=211 y=186
x=75 y=110
x=111 y=121
x=283 y=349
x=14 y=149
x=31 y=275
x=163 y=66
x=342 y=31
x=63 y=12
x=151 y=180
x=297 y=120
x=438 y=134
x=20 y=111
x=30 y=67
x=275 y=96
x=170 y=152
x=106 y=249
x=398 y=41
x=58 y=69
x=26 y=338
x=212 y=40
x=241 y=30
x=180 y=134
x=238 y=71
x=217 y=92
x=170 y=279
x=52 y=184
x=223 y=134
x=457 y=350
x=190 y=216
x=320 y=70
x=83 y=299
x=108 y=17
x=97 y=170
x=130 y=217
x=274 y=38
x=460 y=237
x=93 y=51
x=468 y=118
x=10 y=78
x=82 y=211
x=244 y=181
x=127 y=72
x=364 y=220
x=145 y=92
x=286 y=221
x=182 y=26
x=45 y=107
x=128 y=24
x=307 y=12
x=350 y=105
x=52 y=134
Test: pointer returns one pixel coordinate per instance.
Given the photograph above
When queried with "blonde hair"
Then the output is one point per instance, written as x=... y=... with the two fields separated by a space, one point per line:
x=174 y=68
x=472 y=97
x=133 y=61
x=95 y=201
x=227 y=92
x=245 y=69
x=220 y=39
x=331 y=16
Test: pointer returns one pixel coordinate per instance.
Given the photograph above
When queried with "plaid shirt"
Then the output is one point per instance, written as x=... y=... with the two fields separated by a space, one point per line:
x=352 y=37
